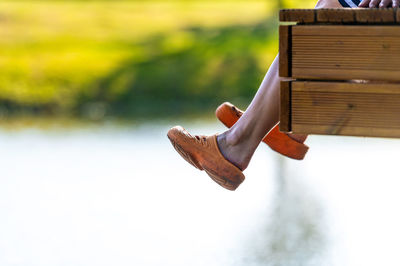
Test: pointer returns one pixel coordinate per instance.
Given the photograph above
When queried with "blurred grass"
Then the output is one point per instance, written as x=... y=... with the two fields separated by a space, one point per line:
x=129 y=59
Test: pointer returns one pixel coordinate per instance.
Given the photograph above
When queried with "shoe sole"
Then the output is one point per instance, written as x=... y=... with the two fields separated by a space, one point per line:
x=222 y=181
x=187 y=156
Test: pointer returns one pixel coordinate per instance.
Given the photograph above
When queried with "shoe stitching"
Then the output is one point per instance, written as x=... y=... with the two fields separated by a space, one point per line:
x=202 y=140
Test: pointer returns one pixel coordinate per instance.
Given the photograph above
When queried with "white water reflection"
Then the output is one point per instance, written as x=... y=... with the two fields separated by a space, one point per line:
x=109 y=196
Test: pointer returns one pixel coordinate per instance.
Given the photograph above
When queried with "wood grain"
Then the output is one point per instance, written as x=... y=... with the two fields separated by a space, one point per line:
x=297 y=15
x=344 y=108
x=339 y=52
x=375 y=15
x=341 y=15
x=285 y=108
x=397 y=11
x=332 y=48
x=345 y=15
x=285 y=50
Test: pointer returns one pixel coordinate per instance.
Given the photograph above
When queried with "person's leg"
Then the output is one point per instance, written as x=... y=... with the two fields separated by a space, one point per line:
x=223 y=157
x=238 y=143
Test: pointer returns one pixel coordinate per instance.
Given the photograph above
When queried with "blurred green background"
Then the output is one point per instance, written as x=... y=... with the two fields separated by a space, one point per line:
x=99 y=60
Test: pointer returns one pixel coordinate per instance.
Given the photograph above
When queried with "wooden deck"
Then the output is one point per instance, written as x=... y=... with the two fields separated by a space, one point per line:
x=344 y=66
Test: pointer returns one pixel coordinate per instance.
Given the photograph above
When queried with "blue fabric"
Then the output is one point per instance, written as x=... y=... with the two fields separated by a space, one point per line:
x=345 y=3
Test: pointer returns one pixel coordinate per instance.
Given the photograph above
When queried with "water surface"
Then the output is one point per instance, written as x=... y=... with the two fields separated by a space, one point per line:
x=122 y=196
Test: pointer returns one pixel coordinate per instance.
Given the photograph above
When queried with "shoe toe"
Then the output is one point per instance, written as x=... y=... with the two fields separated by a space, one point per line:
x=182 y=141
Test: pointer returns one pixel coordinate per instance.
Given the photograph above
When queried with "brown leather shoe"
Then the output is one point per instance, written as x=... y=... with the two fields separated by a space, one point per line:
x=203 y=153
x=278 y=141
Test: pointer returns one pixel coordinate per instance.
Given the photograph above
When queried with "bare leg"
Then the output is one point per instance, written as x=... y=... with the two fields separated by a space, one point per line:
x=239 y=143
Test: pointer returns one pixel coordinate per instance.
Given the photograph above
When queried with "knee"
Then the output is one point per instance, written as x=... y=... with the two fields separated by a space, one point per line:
x=328 y=4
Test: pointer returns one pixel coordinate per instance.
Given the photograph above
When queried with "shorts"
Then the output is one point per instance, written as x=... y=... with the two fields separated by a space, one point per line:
x=349 y=3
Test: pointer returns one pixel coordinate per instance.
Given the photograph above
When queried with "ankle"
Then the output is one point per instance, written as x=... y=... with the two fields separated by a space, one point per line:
x=230 y=148
x=234 y=136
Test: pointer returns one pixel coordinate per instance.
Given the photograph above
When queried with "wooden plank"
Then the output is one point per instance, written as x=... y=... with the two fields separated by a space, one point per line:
x=375 y=15
x=297 y=15
x=285 y=109
x=354 y=30
x=347 y=87
x=285 y=50
x=397 y=12
x=345 y=108
x=333 y=15
x=341 y=15
x=339 y=52
x=348 y=131
x=316 y=73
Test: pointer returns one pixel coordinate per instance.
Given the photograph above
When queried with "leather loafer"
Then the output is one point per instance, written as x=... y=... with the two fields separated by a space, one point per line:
x=203 y=153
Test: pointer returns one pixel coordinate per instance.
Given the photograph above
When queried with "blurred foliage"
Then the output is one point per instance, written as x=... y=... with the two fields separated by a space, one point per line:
x=127 y=59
